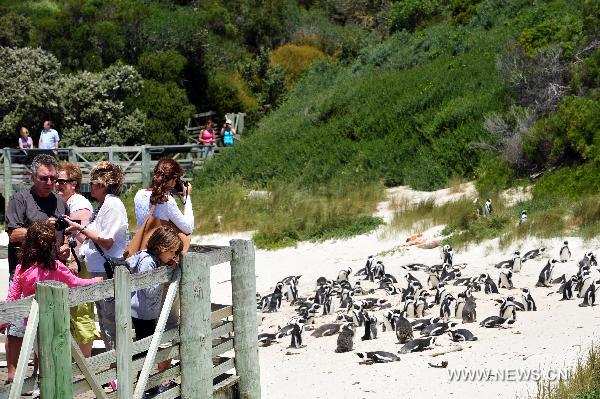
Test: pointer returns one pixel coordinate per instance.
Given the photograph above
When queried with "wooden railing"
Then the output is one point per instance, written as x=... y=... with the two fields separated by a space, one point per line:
x=206 y=333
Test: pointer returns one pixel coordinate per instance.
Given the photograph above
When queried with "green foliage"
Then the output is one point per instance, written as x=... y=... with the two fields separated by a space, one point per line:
x=15 y=30
x=586 y=76
x=295 y=59
x=583 y=381
x=228 y=93
x=463 y=10
x=591 y=17
x=568 y=31
x=162 y=66
x=567 y=183
x=409 y=14
x=167 y=108
x=493 y=176
x=265 y=81
x=572 y=134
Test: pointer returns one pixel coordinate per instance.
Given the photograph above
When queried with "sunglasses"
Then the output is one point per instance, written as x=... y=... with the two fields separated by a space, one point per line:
x=63 y=181
x=50 y=179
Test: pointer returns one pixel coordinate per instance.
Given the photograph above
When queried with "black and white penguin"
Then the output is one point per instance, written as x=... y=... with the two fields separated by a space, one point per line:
x=379 y=270
x=369 y=269
x=276 y=297
x=404 y=331
x=565 y=252
x=328 y=303
x=465 y=281
x=420 y=324
x=413 y=280
x=410 y=307
x=585 y=281
x=567 y=288
x=297 y=330
x=378 y=357
x=417 y=345
x=589 y=297
x=589 y=260
x=505 y=279
x=345 y=339
x=461 y=334
x=489 y=286
x=344 y=274
x=534 y=253
x=528 y=300
x=326 y=330
x=449 y=273
x=487 y=207
x=421 y=305
x=523 y=218
x=469 y=312
x=266 y=339
x=545 y=278
x=496 y=321
x=516 y=262
x=440 y=293
x=447 y=307
x=370 y=326
x=433 y=280
x=508 y=309
x=389 y=319
x=322 y=281
x=437 y=328
x=447 y=254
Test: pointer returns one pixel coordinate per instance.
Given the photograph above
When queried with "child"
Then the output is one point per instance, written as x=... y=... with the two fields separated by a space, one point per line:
x=164 y=248
x=25 y=142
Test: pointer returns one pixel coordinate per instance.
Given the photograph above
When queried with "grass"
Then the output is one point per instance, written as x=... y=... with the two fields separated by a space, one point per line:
x=583 y=382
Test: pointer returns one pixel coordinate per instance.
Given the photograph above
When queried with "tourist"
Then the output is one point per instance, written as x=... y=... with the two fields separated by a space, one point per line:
x=39 y=202
x=25 y=141
x=228 y=134
x=68 y=184
x=48 y=137
x=207 y=139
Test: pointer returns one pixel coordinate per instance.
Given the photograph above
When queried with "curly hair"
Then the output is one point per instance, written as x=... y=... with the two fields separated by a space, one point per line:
x=165 y=170
x=39 y=246
x=164 y=239
x=42 y=159
x=110 y=175
x=73 y=172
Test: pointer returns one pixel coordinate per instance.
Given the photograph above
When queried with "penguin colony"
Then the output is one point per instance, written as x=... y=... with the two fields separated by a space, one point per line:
x=418 y=312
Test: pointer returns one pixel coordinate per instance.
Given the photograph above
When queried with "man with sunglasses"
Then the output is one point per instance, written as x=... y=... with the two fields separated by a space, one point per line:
x=39 y=202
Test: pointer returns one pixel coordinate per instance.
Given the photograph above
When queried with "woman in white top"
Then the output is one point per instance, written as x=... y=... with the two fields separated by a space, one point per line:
x=165 y=179
x=83 y=324
x=107 y=230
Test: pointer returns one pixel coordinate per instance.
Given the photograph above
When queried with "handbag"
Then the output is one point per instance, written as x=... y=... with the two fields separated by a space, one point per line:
x=110 y=264
x=139 y=241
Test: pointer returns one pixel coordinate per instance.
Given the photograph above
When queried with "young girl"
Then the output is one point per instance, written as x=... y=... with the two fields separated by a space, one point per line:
x=25 y=142
x=164 y=248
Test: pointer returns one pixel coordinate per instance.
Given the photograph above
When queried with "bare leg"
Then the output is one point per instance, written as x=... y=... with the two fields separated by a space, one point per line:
x=13 y=349
x=86 y=349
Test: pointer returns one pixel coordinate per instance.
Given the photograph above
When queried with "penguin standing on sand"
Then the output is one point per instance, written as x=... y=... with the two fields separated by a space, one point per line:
x=447 y=254
x=409 y=306
x=370 y=326
x=345 y=340
x=369 y=268
x=344 y=274
x=421 y=305
x=297 y=330
x=447 y=307
x=276 y=296
x=523 y=218
x=508 y=308
x=505 y=279
x=487 y=207
x=516 y=262
x=528 y=300
x=489 y=287
x=565 y=252
x=567 y=288
x=378 y=270
x=469 y=312
x=404 y=331
x=545 y=277
x=589 y=298
x=460 y=305
x=433 y=280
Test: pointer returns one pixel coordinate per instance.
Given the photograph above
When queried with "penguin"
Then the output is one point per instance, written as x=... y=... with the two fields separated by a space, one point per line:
x=447 y=307
x=465 y=281
x=516 y=262
x=433 y=280
x=296 y=333
x=410 y=291
x=391 y=289
x=459 y=306
x=378 y=357
x=489 y=285
x=357 y=317
x=345 y=339
x=440 y=293
x=370 y=326
x=369 y=270
x=266 y=339
x=534 y=253
x=344 y=274
x=421 y=305
x=417 y=345
x=565 y=252
x=404 y=331
x=389 y=319
x=345 y=300
x=437 y=328
x=487 y=207
x=508 y=308
x=585 y=281
x=449 y=273
x=461 y=334
x=378 y=270
x=545 y=277
x=589 y=298
x=409 y=307
x=528 y=300
x=326 y=330
x=589 y=260
x=567 y=288
x=496 y=321
x=322 y=281
x=413 y=280
x=448 y=253
x=275 y=300
x=523 y=218
x=469 y=313
x=328 y=303
x=505 y=279
x=418 y=325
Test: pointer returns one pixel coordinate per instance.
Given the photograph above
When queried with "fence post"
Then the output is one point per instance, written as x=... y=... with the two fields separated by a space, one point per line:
x=7 y=177
x=56 y=374
x=195 y=329
x=245 y=325
x=146 y=172
x=124 y=341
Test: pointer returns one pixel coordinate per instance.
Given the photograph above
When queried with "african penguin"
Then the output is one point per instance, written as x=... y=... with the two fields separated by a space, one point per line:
x=459 y=306
x=496 y=321
x=523 y=217
x=461 y=334
x=276 y=296
x=508 y=308
x=437 y=328
x=409 y=306
x=345 y=339
x=528 y=300
x=266 y=339
x=516 y=262
x=446 y=307
x=326 y=330
x=545 y=277
x=469 y=313
x=567 y=288
x=370 y=326
x=433 y=280
x=344 y=274
x=448 y=254
x=418 y=325
x=534 y=253
x=487 y=207
x=505 y=279
x=489 y=286
x=565 y=252
x=404 y=331
x=369 y=269
x=589 y=298
x=417 y=345
x=378 y=357
x=297 y=330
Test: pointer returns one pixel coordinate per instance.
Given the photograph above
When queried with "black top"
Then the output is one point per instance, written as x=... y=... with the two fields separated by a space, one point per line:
x=24 y=208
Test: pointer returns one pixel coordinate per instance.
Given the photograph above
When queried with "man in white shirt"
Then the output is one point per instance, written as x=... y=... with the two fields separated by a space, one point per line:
x=48 y=137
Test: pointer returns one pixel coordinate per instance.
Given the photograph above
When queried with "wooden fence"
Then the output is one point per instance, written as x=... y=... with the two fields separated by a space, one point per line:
x=216 y=345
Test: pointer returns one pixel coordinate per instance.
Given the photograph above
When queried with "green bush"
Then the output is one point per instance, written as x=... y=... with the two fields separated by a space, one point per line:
x=493 y=176
x=409 y=14
x=586 y=76
x=162 y=66
x=295 y=59
x=463 y=10
x=567 y=183
x=15 y=30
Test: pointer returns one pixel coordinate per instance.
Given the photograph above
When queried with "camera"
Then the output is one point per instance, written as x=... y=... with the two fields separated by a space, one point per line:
x=180 y=185
x=61 y=224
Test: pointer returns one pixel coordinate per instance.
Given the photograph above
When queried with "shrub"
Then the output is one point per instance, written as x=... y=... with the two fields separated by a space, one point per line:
x=463 y=10
x=408 y=14
x=14 y=30
x=295 y=59
x=586 y=76
x=567 y=183
x=227 y=92
x=162 y=66
x=493 y=175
